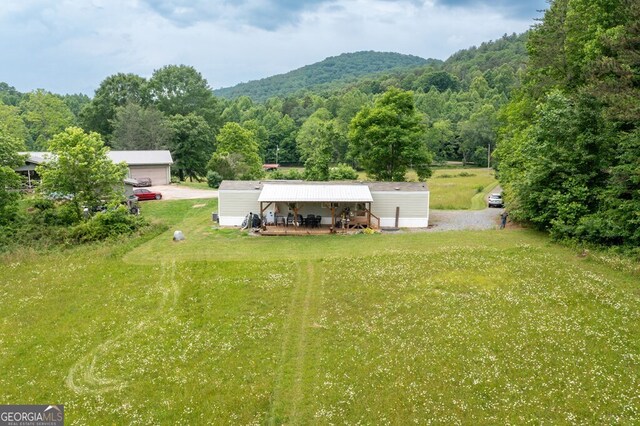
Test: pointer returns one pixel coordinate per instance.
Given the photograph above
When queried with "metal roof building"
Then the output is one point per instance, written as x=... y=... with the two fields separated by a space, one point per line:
x=155 y=165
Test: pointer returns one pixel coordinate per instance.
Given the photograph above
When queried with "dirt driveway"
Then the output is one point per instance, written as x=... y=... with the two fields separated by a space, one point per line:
x=174 y=192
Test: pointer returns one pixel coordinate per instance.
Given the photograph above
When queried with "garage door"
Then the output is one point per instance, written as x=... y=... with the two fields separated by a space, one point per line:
x=157 y=174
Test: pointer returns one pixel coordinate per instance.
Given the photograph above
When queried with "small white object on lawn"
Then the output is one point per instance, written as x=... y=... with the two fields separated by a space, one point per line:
x=178 y=236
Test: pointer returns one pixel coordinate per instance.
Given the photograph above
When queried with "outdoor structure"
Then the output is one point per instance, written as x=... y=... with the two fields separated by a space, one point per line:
x=155 y=165
x=325 y=205
x=29 y=168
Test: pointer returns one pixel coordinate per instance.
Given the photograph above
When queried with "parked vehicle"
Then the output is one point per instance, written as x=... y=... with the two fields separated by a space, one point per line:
x=145 y=194
x=142 y=181
x=131 y=203
x=495 y=200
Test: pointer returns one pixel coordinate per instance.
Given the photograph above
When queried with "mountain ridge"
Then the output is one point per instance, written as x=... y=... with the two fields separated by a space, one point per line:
x=342 y=68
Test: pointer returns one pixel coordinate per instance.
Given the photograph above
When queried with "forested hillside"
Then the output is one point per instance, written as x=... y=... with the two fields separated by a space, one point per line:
x=334 y=70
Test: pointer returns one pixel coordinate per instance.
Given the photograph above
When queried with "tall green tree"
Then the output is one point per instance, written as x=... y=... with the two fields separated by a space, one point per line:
x=191 y=145
x=237 y=152
x=569 y=148
x=80 y=167
x=322 y=127
x=44 y=115
x=318 y=158
x=114 y=91
x=477 y=135
x=441 y=140
x=12 y=122
x=9 y=95
x=139 y=128
x=10 y=146
x=76 y=102
x=321 y=140
x=281 y=138
x=389 y=138
x=180 y=89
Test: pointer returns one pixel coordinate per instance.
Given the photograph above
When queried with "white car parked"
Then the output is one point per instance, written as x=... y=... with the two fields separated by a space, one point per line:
x=495 y=200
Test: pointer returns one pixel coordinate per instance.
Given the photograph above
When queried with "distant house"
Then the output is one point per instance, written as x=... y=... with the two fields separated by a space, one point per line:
x=155 y=165
x=374 y=204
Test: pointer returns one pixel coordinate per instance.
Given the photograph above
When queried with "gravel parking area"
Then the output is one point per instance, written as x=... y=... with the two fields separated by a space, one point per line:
x=173 y=192
x=456 y=220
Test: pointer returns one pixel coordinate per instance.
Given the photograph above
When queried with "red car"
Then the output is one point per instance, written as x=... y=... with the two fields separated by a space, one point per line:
x=145 y=194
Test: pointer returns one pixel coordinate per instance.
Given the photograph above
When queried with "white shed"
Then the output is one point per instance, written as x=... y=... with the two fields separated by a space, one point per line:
x=376 y=204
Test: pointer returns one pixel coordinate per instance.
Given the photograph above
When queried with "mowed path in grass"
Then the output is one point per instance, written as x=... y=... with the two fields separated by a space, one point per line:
x=481 y=327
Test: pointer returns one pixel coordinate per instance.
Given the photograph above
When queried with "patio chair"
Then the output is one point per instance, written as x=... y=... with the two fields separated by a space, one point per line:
x=317 y=221
x=290 y=219
x=310 y=221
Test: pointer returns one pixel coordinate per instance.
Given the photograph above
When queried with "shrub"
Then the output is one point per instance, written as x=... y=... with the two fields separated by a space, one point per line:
x=294 y=174
x=275 y=175
x=64 y=214
x=342 y=172
x=213 y=179
x=108 y=224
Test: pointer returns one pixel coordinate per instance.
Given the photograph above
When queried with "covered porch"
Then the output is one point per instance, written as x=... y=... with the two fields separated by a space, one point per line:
x=315 y=209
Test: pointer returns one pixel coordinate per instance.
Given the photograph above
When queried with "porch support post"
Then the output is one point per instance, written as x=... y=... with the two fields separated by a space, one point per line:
x=262 y=209
x=333 y=217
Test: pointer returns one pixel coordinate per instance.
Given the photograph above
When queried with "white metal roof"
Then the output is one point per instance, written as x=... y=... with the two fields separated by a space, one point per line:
x=315 y=193
x=132 y=158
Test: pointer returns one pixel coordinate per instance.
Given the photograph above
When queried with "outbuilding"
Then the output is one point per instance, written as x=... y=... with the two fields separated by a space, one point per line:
x=155 y=165
x=336 y=204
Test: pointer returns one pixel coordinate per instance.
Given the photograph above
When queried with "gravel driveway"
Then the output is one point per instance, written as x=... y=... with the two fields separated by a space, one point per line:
x=456 y=220
x=173 y=192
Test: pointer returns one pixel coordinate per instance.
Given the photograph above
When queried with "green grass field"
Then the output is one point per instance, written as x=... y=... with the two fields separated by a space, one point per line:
x=461 y=189
x=454 y=188
x=483 y=327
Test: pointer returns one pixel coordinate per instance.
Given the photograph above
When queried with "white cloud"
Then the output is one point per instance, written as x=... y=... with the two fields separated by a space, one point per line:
x=71 y=46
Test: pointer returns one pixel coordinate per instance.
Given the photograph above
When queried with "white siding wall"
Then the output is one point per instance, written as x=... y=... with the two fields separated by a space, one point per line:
x=235 y=205
x=414 y=208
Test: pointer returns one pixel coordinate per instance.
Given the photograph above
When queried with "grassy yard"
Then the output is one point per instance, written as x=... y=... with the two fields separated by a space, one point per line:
x=461 y=189
x=483 y=327
x=194 y=184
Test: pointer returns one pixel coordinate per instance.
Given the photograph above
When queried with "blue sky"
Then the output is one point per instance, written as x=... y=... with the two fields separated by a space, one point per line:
x=70 y=46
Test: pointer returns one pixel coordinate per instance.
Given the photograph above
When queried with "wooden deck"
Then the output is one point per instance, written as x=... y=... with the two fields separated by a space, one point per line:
x=280 y=230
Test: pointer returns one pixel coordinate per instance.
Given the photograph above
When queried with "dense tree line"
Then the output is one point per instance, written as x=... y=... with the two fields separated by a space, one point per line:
x=570 y=148
x=457 y=102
